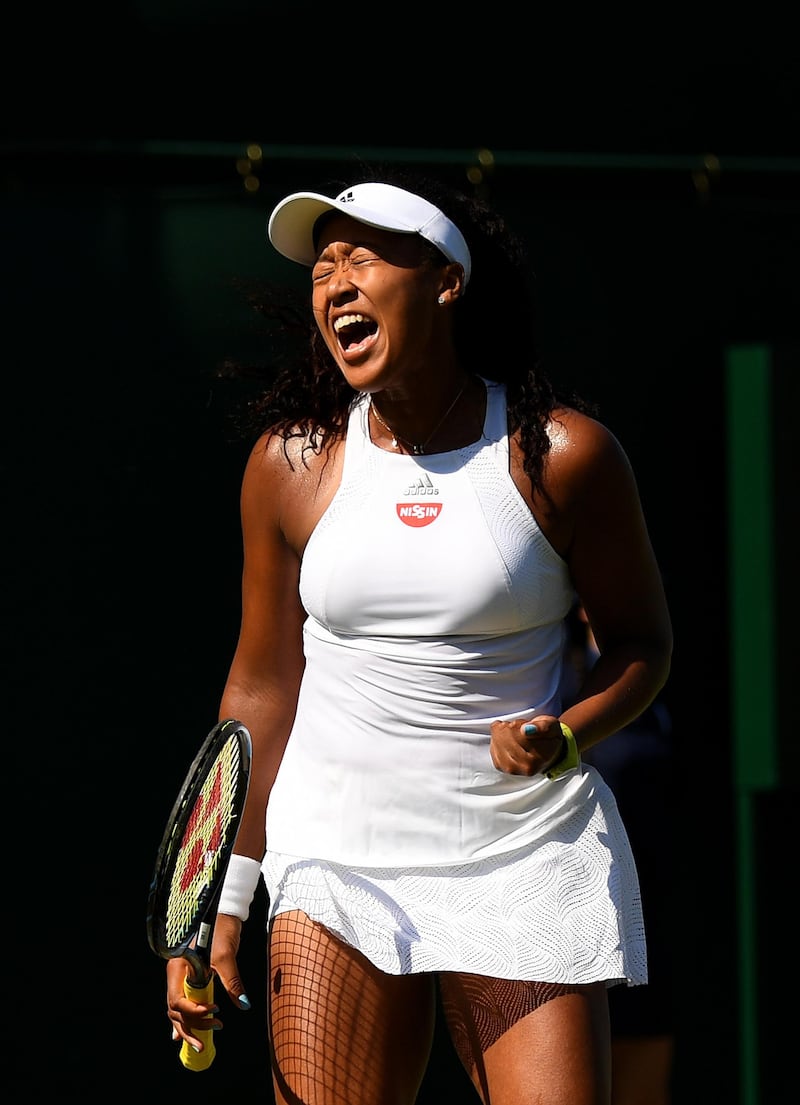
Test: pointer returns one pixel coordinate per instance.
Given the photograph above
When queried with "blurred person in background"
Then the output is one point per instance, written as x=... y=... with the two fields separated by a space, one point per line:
x=638 y=765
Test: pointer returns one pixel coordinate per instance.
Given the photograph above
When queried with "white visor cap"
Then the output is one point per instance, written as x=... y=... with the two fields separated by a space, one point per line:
x=291 y=224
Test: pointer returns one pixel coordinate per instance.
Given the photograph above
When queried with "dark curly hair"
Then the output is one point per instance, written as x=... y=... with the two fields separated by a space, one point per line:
x=304 y=392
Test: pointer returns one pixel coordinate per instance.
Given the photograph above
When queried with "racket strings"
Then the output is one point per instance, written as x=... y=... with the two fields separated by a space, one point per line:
x=212 y=816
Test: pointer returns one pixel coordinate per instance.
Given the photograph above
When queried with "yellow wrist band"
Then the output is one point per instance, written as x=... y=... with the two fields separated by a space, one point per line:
x=569 y=758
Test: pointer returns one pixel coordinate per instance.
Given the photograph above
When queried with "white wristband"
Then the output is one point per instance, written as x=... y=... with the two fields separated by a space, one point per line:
x=239 y=887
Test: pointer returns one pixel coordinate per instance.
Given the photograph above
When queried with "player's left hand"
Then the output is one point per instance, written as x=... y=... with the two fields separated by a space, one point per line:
x=517 y=752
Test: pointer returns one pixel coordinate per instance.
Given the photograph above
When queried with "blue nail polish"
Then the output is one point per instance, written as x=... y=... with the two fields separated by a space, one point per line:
x=244 y=1001
x=529 y=730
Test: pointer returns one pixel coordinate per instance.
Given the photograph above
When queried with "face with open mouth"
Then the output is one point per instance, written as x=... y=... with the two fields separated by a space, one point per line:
x=353 y=331
x=375 y=300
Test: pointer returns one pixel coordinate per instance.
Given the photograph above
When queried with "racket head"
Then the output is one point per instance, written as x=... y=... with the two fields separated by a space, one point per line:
x=198 y=841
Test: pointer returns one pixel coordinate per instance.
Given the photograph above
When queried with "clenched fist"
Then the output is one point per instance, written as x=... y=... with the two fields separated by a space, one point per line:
x=527 y=746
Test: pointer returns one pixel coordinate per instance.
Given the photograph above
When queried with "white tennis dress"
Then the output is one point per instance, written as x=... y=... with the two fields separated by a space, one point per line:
x=435 y=606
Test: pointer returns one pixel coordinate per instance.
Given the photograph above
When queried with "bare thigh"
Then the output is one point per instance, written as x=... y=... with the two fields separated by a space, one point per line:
x=530 y=1043
x=341 y=1031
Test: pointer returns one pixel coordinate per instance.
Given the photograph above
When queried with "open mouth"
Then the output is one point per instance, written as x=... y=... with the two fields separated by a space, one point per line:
x=353 y=330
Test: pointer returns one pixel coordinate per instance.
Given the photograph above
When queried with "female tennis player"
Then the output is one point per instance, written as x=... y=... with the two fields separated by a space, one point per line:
x=418 y=514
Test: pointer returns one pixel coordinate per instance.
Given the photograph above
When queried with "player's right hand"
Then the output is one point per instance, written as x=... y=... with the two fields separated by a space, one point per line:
x=224 y=950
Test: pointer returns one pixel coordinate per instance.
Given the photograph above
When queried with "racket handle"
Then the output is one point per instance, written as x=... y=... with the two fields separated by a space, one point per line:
x=199 y=1060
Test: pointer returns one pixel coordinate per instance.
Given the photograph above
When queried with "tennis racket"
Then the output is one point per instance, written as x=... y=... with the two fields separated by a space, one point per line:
x=191 y=865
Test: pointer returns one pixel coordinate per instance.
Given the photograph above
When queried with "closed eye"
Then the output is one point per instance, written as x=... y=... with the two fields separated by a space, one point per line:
x=324 y=269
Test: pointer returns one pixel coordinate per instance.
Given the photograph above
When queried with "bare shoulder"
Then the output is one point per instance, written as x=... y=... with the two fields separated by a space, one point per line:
x=578 y=439
x=587 y=478
x=585 y=458
x=289 y=483
x=597 y=523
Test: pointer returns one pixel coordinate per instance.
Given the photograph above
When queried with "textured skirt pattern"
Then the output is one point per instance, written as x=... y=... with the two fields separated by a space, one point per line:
x=565 y=909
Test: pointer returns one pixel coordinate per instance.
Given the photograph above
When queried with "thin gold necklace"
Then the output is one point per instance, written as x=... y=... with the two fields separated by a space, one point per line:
x=416 y=450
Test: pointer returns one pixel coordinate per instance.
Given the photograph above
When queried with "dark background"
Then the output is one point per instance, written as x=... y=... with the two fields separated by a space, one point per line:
x=660 y=199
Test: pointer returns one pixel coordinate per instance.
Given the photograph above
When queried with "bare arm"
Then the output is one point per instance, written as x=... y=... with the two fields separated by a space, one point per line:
x=617 y=578
x=593 y=517
x=264 y=677
x=261 y=691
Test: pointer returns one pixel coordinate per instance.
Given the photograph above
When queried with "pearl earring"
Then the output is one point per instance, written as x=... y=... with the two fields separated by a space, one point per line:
x=441 y=299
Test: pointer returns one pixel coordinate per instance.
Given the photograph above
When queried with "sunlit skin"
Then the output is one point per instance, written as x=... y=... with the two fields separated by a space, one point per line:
x=382 y=276
x=559 y=1054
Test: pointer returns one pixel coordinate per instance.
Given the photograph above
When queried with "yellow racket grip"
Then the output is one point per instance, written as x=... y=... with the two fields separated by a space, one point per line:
x=199 y=1060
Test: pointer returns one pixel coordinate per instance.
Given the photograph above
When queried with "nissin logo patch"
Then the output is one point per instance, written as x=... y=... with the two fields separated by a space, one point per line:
x=418 y=514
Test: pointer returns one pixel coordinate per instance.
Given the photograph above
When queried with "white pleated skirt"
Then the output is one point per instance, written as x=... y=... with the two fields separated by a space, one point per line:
x=565 y=908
